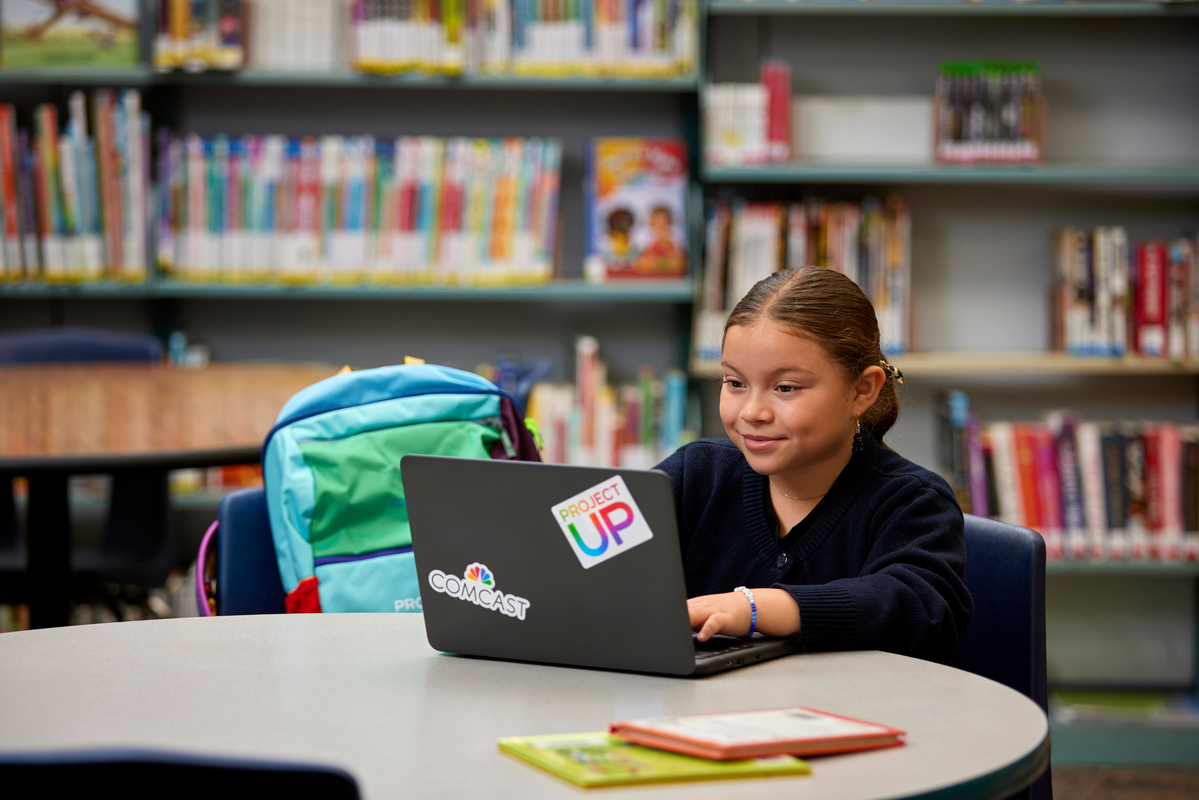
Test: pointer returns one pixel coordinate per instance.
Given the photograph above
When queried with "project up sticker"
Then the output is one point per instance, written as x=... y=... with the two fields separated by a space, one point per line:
x=602 y=522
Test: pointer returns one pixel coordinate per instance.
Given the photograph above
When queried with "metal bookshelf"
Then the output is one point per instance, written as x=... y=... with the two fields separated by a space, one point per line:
x=1124 y=568
x=1181 y=176
x=140 y=75
x=566 y=291
x=143 y=75
x=947 y=8
x=1113 y=744
x=958 y=365
x=359 y=80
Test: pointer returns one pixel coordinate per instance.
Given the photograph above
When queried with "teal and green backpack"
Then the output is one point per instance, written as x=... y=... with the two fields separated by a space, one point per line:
x=331 y=468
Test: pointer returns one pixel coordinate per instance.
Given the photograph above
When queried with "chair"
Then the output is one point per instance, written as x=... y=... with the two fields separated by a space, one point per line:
x=1005 y=641
x=48 y=345
x=137 y=546
x=149 y=773
x=248 y=579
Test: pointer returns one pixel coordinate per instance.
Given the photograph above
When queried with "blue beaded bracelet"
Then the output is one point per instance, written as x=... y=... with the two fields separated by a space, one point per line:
x=753 y=611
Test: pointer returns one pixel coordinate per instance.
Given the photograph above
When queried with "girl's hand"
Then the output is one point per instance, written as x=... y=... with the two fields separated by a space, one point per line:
x=729 y=613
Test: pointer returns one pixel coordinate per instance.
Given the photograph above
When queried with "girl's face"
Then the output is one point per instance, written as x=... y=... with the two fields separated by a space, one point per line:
x=784 y=403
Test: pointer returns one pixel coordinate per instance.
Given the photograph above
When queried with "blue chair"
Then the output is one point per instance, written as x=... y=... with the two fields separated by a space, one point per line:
x=137 y=546
x=148 y=773
x=248 y=579
x=1005 y=641
x=45 y=345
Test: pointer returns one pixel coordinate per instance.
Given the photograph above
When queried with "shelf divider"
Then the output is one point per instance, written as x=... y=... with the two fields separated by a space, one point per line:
x=948 y=9
x=967 y=364
x=1049 y=174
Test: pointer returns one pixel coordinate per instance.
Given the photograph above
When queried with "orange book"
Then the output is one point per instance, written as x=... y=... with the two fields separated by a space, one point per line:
x=738 y=735
x=1026 y=471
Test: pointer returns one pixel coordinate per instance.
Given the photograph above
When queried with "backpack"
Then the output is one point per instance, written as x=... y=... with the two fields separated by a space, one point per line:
x=331 y=470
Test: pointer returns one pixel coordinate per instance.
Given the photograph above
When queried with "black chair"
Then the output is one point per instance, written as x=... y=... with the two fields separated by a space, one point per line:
x=137 y=545
x=248 y=579
x=1005 y=641
x=149 y=773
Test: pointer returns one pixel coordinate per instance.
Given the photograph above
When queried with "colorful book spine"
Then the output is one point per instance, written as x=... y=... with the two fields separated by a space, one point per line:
x=9 y=195
x=30 y=252
x=1151 y=299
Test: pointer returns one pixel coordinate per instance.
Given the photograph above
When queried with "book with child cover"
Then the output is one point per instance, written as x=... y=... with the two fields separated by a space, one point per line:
x=636 y=209
x=599 y=759
x=45 y=33
x=757 y=734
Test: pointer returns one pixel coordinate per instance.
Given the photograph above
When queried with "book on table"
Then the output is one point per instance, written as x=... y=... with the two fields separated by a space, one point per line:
x=757 y=734
x=600 y=759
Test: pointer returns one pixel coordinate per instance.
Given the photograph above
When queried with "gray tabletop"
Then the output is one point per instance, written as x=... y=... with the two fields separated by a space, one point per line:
x=366 y=692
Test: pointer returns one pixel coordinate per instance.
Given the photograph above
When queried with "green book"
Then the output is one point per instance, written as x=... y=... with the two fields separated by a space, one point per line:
x=600 y=759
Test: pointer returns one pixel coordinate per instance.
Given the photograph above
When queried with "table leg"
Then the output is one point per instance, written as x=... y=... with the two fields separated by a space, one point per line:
x=10 y=534
x=48 y=526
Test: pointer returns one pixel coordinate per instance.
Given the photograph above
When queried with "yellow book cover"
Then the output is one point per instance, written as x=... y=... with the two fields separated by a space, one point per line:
x=600 y=759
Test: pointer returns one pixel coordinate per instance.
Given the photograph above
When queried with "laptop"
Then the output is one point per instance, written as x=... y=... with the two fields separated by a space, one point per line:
x=577 y=566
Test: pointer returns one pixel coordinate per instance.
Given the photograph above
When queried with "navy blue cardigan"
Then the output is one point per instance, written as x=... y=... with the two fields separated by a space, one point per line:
x=876 y=565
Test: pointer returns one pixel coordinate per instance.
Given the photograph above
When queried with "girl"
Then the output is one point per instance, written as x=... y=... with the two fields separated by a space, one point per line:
x=843 y=543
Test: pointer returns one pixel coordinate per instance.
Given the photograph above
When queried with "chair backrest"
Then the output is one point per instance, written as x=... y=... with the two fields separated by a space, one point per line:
x=76 y=344
x=1005 y=573
x=146 y=773
x=1005 y=641
x=247 y=573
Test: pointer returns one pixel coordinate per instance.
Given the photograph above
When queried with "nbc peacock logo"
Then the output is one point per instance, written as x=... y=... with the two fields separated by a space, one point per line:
x=477 y=585
x=479 y=574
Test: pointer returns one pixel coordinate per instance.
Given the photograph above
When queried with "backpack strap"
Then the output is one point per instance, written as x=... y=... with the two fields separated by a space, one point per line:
x=205 y=601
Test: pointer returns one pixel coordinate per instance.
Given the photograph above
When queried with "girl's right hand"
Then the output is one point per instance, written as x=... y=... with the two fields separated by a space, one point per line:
x=729 y=613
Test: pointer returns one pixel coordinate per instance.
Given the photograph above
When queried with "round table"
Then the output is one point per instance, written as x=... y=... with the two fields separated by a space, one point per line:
x=366 y=692
x=134 y=421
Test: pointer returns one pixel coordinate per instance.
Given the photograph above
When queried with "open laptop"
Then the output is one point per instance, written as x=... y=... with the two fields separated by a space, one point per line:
x=558 y=564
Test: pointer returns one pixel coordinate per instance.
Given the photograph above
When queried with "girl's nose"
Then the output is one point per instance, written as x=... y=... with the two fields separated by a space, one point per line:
x=755 y=410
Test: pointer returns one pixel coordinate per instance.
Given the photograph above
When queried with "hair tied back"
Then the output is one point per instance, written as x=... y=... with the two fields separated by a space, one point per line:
x=891 y=370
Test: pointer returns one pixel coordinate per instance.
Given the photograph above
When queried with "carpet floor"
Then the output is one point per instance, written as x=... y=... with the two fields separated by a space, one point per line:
x=1079 y=783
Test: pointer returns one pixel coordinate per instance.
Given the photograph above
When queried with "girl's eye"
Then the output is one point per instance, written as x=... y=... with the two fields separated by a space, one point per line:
x=788 y=389
x=732 y=383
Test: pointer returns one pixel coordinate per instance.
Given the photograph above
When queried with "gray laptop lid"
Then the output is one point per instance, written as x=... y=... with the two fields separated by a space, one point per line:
x=504 y=574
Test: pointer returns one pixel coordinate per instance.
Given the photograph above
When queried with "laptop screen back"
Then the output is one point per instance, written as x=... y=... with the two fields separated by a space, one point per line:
x=540 y=562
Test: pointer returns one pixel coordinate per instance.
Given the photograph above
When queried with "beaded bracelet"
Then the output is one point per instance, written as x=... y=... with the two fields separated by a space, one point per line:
x=753 y=611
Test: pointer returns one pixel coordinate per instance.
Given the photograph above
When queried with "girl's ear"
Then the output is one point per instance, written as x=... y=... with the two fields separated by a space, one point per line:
x=866 y=390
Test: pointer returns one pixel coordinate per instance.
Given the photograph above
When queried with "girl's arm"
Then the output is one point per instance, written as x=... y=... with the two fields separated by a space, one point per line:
x=729 y=613
x=909 y=596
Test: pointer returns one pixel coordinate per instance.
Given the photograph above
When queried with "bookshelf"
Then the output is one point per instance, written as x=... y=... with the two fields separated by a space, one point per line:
x=420 y=81
x=948 y=9
x=1147 y=569
x=1070 y=175
x=145 y=76
x=563 y=291
x=1121 y=86
x=981 y=365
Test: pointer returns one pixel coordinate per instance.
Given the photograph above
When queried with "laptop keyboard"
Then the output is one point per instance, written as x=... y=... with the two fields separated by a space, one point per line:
x=718 y=647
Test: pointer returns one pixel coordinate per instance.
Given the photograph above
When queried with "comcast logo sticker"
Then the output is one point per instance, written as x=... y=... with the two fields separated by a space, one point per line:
x=477 y=585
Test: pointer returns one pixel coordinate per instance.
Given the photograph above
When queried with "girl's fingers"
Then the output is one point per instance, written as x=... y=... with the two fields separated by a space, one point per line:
x=712 y=626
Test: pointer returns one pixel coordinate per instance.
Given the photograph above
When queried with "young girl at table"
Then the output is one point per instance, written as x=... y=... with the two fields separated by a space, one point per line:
x=842 y=543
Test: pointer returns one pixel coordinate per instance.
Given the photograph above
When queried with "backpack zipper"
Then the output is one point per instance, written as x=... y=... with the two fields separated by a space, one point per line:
x=498 y=425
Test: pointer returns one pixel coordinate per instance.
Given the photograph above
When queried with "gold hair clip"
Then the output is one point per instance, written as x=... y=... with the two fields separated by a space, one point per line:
x=891 y=370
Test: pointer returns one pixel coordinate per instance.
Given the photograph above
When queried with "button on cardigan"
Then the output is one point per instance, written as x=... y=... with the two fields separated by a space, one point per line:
x=876 y=565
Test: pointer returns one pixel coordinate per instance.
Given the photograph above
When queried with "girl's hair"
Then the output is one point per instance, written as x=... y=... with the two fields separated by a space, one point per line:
x=828 y=308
